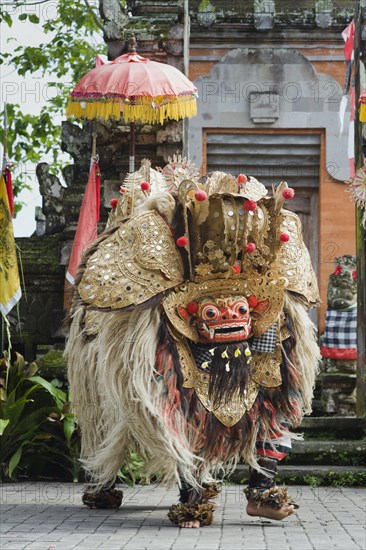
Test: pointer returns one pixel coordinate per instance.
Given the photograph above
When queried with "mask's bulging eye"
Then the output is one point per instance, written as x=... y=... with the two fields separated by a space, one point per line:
x=210 y=313
x=241 y=308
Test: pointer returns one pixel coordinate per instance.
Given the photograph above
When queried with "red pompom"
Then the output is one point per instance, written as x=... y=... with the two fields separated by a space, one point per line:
x=252 y=301
x=114 y=203
x=122 y=190
x=182 y=242
x=288 y=193
x=236 y=268
x=250 y=206
x=192 y=308
x=338 y=270
x=354 y=274
x=145 y=186
x=242 y=178
x=250 y=248
x=200 y=195
x=284 y=237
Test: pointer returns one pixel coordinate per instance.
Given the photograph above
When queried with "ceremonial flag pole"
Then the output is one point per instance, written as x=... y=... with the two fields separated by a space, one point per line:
x=359 y=48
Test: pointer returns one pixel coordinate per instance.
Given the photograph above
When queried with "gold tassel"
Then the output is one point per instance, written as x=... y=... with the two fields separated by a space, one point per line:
x=147 y=110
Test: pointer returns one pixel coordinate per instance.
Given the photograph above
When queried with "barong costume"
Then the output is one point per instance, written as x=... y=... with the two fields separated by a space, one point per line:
x=190 y=341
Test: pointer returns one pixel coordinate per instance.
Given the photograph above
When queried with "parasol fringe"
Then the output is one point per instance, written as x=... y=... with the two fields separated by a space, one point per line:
x=144 y=111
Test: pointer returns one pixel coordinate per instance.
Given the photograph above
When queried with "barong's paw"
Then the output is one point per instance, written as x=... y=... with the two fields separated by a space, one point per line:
x=275 y=496
x=104 y=499
x=191 y=515
x=211 y=490
x=272 y=503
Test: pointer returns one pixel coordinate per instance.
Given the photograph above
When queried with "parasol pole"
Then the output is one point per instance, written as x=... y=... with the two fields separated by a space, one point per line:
x=131 y=167
x=94 y=140
x=360 y=230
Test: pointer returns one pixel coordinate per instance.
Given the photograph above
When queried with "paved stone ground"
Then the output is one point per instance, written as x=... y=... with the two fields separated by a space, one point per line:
x=43 y=516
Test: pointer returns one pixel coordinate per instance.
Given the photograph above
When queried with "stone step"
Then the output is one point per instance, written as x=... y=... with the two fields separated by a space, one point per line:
x=338 y=423
x=356 y=447
x=296 y=473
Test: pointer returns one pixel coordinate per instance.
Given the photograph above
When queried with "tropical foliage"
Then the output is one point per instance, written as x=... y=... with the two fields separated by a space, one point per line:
x=36 y=429
x=39 y=438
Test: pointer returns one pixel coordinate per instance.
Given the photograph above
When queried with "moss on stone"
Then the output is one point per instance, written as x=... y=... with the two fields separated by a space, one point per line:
x=38 y=252
x=52 y=365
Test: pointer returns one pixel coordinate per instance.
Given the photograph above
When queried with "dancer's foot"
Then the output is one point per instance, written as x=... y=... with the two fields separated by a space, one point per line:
x=103 y=499
x=191 y=516
x=193 y=524
x=269 y=512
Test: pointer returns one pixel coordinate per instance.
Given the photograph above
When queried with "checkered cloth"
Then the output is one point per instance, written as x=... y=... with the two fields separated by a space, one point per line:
x=200 y=353
x=340 y=329
x=267 y=342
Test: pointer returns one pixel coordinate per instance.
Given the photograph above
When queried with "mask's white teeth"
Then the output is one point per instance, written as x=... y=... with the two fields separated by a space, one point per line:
x=205 y=327
x=212 y=333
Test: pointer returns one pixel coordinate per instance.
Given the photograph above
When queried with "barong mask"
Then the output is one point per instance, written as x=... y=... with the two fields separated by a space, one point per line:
x=219 y=320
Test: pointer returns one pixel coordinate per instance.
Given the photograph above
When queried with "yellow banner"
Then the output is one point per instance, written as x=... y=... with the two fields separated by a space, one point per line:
x=10 y=291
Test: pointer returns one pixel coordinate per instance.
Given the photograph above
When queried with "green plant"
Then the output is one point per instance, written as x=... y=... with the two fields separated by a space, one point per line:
x=131 y=472
x=313 y=481
x=39 y=434
x=26 y=402
x=56 y=449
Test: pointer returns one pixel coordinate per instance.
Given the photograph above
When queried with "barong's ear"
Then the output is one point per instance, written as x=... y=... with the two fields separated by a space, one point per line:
x=260 y=309
x=186 y=313
x=183 y=313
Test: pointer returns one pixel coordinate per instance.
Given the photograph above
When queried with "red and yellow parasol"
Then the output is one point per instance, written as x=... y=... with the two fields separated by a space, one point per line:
x=134 y=88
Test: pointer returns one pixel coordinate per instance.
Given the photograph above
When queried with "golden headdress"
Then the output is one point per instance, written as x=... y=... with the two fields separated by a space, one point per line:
x=218 y=232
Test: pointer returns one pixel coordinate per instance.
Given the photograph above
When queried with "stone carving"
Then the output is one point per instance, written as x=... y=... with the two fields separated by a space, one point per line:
x=339 y=375
x=264 y=11
x=115 y=18
x=52 y=195
x=206 y=15
x=342 y=288
x=324 y=13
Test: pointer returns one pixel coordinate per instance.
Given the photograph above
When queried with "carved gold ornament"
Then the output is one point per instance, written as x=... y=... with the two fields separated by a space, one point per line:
x=228 y=413
x=265 y=368
x=293 y=260
x=135 y=263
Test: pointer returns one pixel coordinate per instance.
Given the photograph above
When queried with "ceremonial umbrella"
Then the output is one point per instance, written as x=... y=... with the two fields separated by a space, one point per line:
x=136 y=89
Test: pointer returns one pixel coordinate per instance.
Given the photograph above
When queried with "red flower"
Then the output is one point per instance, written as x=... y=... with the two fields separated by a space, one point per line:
x=284 y=237
x=192 y=308
x=288 y=193
x=354 y=274
x=200 y=195
x=253 y=302
x=250 y=206
x=242 y=178
x=338 y=270
x=145 y=186
x=236 y=268
x=182 y=242
x=250 y=248
x=113 y=203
